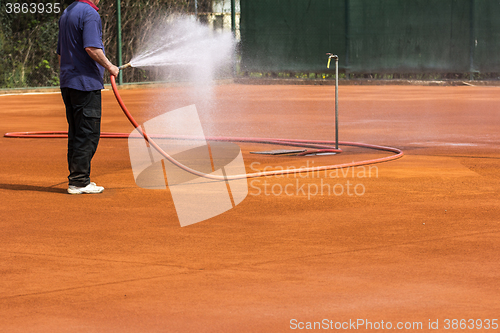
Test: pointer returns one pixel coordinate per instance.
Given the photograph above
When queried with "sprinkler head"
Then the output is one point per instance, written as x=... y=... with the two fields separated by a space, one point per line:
x=334 y=56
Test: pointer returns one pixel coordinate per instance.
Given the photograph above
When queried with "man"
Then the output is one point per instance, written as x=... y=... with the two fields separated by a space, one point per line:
x=82 y=62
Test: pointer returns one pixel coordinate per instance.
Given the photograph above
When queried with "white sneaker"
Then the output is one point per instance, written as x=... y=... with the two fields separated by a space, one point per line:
x=91 y=188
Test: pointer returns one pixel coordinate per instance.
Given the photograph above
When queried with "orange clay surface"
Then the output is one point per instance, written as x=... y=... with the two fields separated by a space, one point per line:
x=418 y=241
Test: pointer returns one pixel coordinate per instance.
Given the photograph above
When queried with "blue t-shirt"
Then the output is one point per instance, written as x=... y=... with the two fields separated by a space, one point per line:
x=80 y=27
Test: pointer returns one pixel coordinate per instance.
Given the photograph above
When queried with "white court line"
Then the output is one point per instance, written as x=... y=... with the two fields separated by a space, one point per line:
x=455 y=144
x=39 y=93
x=32 y=93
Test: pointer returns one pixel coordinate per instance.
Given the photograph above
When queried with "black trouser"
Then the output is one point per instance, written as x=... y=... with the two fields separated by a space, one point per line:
x=83 y=112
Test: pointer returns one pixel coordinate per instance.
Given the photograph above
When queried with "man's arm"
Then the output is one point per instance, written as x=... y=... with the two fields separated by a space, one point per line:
x=97 y=55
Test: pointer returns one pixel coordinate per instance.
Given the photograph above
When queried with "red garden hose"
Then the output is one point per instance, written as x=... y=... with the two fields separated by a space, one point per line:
x=318 y=146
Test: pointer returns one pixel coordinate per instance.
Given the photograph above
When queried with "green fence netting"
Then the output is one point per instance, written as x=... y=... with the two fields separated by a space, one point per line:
x=486 y=36
x=291 y=35
x=371 y=36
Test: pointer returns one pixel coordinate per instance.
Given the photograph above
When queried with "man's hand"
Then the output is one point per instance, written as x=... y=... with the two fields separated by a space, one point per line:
x=113 y=70
x=98 y=55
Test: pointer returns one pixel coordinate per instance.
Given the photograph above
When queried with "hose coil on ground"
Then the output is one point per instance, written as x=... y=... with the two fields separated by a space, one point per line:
x=317 y=146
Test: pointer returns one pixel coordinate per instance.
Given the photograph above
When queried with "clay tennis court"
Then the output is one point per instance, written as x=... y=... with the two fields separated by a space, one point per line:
x=420 y=244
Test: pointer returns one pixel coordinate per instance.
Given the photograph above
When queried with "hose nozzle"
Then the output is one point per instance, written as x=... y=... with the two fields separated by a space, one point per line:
x=125 y=66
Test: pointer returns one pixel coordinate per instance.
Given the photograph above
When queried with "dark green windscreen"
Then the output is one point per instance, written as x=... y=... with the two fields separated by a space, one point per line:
x=486 y=36
x=291 y=34
x=396 y=36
